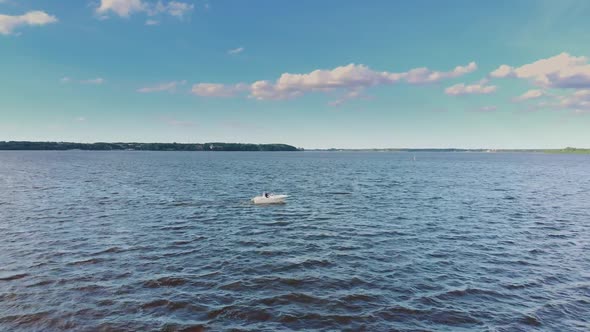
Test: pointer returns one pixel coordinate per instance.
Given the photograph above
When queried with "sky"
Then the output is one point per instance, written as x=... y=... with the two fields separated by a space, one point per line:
x=313 y=74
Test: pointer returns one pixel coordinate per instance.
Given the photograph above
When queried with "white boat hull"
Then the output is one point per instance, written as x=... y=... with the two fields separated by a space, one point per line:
x=272 y=199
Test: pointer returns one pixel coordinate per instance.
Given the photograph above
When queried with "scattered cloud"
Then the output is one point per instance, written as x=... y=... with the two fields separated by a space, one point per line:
x=531 y=94
x=350 y=95
x=351 y=77
x=560 y=71
x=96 y=81
x=152 y=22
x=218 y=90
x=125 y=8
x=33 y=18
x=122 y=8
x=178 y=9
x=578 y=102
x=235 y=51
x=81 y=119
x=168 y=86
x=478 y=88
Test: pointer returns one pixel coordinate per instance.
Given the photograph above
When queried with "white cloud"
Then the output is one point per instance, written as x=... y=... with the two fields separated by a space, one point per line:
x=349 y=78
x=217 y=90
x=560 y=71
x=235 y=51
x=168 y=86
x=34 y=18
x=531 y=94
x=502 y=72
x=152 y=22
x=124 y=8
x=462 y=89
x=425 y=75
x=65 y=80
x=578 y=101
x=96 y=81
x=179 y=9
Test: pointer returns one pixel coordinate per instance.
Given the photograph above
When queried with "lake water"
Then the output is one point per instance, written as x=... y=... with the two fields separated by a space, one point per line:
x=142 y=241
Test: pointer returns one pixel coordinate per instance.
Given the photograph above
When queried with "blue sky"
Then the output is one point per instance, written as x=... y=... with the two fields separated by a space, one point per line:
x=315 y=74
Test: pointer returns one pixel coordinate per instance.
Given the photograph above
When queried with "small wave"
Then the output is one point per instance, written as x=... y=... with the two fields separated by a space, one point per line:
x=181 y=242
x=339 y=319
x=276 y=223
x=360 y=298
x=520 y=286
x=183 y=328
x=41 y=283
x=468 y=292
x=165 y=282
x=307 y=264
x=26 y=319
x=247 y=313
x=88 y=261
x=531 y=320
x=14 y=277
x=172 y=305
x=109 y=250
x=294 y=298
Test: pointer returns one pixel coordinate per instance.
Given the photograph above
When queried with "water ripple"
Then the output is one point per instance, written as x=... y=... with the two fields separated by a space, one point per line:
x=146 y=241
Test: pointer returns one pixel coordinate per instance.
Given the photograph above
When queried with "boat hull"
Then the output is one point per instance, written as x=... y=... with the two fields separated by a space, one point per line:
x=273 y=199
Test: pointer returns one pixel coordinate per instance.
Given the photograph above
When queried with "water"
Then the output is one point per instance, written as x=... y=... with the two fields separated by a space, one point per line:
x=133 y=241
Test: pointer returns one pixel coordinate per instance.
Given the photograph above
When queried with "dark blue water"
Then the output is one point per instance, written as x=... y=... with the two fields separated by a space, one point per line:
x=134 y=241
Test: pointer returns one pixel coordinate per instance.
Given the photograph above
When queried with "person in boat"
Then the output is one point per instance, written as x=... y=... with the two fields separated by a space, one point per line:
x=266 y=195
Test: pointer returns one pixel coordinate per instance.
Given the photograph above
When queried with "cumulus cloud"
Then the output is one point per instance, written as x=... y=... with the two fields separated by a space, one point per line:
x=33 y=18
x=351 y=77
x=531 y=94
x=168 y=86
x=217 y=90
x=478 y=88
x=578 y=101
x=124 y=8
x=235 y=51
x=560 y=71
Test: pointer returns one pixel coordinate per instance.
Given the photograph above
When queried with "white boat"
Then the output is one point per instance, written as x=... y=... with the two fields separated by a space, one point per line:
x=271 y=199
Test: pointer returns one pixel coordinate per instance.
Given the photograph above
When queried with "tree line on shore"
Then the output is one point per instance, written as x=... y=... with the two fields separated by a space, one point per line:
x=26 y=145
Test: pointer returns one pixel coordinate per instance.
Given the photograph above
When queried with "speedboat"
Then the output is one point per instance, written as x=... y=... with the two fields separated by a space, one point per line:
x=269 y=199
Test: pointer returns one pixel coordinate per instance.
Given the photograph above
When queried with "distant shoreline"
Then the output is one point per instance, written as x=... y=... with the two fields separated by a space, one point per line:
x=217 y=146
x=100 y=146
x=568 y=150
